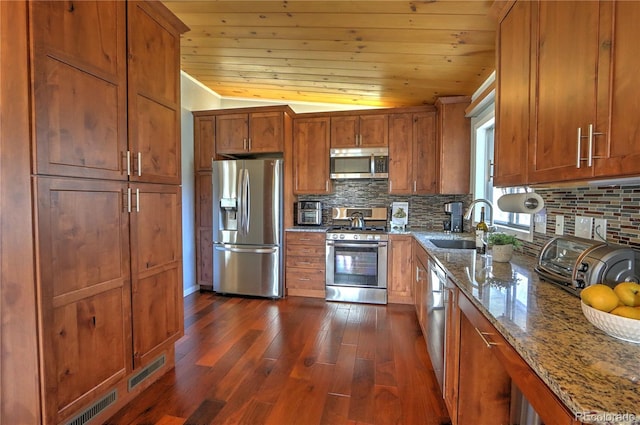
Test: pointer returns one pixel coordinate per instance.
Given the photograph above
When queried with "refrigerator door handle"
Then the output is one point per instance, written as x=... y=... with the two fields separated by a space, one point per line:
x=247 y=202
x=240 y=207
x=269 y=250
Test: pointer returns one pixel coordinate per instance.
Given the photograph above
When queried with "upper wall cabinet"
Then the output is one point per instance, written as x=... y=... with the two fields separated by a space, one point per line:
x=453 y=144
x=359 y=131
x=251 y=132
x=513 y=105
x=581 y=95
x=311 y=155
x=412 y=153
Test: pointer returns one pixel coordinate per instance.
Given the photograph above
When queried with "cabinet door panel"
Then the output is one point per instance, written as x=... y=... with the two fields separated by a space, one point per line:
x=621 y=147
x=157 y=319
x=266 y=132
x=89 y=341
x=204 y=142
x=154 y=96
x=374 y=131
x=425 y=158
x=400 y=153
x=156 y=269
x=204 y=260
x=75 y=134
x=566 y=88
x=344 y=131
x=232 y=133
x=513 y=105
x=84 y=286
x=311 y=155
x=74 y=35
x=156 y=136
x=400 y=285
x=204 y=194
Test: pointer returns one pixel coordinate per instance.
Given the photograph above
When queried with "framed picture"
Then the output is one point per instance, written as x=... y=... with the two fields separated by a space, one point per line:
x=399 y=214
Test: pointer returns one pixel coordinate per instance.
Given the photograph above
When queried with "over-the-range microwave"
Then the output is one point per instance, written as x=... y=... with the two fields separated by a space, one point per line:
x=360 y=163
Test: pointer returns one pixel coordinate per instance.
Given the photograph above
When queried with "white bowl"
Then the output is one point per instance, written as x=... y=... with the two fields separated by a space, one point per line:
x=616 y=326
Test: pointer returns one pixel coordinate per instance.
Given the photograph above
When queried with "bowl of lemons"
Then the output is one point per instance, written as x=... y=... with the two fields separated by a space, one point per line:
x=615 y=311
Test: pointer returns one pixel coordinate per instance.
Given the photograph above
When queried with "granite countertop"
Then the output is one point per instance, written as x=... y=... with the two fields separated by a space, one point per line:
x=320 y=229
x=590 y=371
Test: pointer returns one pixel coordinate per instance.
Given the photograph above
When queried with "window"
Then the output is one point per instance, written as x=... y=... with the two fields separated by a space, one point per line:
x=483 y=130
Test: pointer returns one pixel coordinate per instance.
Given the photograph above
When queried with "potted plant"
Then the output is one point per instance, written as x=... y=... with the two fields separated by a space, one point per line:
x=502 y=246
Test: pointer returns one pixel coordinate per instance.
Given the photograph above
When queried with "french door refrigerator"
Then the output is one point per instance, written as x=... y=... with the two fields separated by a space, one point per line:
x=247 y=227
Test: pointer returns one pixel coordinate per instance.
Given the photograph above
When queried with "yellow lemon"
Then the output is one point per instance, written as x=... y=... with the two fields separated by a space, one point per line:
x=600 y=297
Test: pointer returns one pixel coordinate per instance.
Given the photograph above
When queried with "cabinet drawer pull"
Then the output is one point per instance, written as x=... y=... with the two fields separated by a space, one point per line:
x=304 y=239
x=304 y=279
x=483 y=335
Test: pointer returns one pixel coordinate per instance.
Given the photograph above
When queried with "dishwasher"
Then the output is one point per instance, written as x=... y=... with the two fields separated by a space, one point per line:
x=436 y=318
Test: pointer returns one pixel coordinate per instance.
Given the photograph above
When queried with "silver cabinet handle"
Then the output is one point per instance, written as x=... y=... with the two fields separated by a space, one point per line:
x=590 y=156
x=415 y=186
x=128 y=163
x=129 y=199
x=578 y=158
x=326 y=185
x=249 y=143
x=139 y=164
x=483 y=335
x=137 y=200
x=244 y=144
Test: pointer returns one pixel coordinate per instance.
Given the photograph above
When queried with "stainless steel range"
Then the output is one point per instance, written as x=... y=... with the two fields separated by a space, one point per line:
x=356 y=256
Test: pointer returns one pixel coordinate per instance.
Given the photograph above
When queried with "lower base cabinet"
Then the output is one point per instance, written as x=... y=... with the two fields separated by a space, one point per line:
x=489 y=367
x=305 y=264
x=399 y=270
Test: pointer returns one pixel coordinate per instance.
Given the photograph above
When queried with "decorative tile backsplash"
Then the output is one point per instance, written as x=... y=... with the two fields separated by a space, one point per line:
x=619 y=205
x=425 y=211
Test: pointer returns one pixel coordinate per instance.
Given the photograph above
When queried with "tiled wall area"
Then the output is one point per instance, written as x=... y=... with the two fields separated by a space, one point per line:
x=425 y=211
x=619 y=205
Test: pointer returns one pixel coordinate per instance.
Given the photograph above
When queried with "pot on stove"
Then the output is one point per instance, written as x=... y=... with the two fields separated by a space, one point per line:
x=357 y=220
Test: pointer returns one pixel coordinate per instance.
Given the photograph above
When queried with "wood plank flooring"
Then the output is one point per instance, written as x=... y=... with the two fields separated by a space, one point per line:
x=293 y=361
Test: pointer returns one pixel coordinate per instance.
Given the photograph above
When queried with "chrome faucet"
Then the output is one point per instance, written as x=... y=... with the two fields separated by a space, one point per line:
x=467 y=215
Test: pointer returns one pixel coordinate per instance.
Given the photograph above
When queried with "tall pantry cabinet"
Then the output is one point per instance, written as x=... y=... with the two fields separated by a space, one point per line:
x=106 y=175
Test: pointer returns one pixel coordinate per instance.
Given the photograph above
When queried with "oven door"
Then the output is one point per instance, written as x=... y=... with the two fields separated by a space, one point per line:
x=361 y=264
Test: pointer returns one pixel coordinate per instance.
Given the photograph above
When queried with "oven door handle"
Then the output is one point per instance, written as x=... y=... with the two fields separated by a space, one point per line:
x=356 y=245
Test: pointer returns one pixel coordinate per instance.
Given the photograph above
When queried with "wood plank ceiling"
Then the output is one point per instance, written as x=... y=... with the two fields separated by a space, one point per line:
x=377 y=53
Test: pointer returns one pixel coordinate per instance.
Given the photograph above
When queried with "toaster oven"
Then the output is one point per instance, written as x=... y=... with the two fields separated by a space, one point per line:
x=575 y=263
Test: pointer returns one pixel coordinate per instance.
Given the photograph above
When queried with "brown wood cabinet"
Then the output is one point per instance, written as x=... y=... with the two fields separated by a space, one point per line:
x=75 y=135
x=399 y=270
x=251 y=132
x=513 y=106
x=485 y=356
x=453 y=138
x=359 y=131
x=85 y=288
x=311 y=155
x=19 y=362
x=153 y=41
x=156 y=270
x=108 y=247
x=412 y=153
x=204 y=141
x=582 y=75
x=204 y=231
x=305 y=264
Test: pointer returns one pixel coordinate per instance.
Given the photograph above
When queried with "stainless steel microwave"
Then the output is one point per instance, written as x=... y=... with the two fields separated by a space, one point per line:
x=359 y=163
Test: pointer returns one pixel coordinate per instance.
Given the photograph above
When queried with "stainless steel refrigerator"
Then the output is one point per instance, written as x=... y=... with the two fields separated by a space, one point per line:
x=247 y=227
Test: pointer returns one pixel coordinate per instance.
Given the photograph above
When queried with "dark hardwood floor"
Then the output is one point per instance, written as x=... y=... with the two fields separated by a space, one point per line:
x=293 y=361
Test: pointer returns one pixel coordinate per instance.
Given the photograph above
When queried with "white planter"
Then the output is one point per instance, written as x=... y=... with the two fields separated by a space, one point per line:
x=502 y=253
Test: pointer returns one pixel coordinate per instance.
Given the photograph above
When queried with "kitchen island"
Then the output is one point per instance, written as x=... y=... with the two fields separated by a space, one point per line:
x=596 y=376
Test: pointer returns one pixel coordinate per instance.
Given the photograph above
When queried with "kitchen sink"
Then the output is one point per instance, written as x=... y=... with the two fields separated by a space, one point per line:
x=454 y=243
